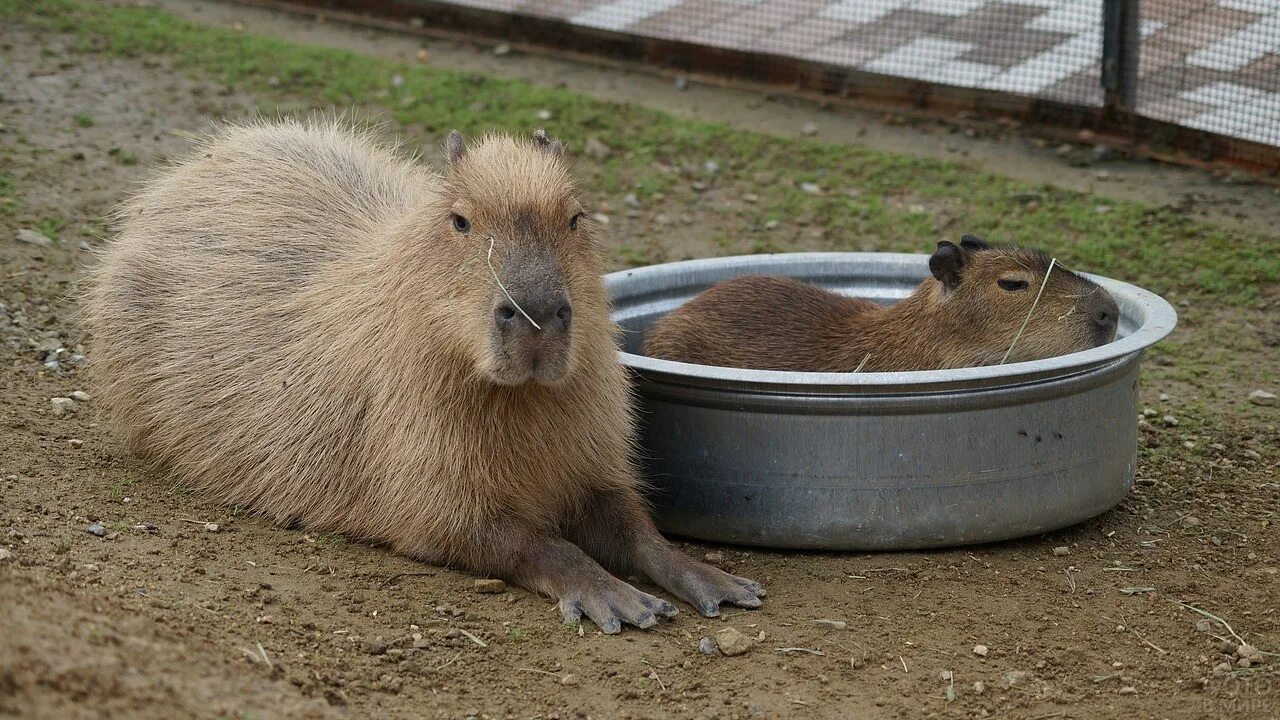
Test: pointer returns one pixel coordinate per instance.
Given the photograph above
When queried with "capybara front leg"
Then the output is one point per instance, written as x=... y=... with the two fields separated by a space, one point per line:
x=558 y=568
x=617 y=530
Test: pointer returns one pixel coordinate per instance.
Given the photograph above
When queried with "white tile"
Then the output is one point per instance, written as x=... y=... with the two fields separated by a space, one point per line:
x=862 y=11
x=620 y=14
x=1070 y=17
x=955 y=8
x=960 y=72
x=932 y=59
x=1256 y=6
x=1057 y=63
x=1235 y=51
x=1219 y=94
x=915 y=57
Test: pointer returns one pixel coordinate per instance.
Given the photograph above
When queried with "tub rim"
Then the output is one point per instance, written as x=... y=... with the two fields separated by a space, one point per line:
x=1158 y=319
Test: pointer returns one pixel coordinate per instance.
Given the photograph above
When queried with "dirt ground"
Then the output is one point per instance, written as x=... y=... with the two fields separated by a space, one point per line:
x=157 y=616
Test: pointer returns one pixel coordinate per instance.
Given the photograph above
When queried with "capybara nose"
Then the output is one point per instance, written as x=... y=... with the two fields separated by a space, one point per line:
x=1106 y=316
x=553 y=315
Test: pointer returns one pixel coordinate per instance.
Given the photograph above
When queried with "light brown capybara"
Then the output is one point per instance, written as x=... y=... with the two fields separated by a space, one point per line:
x=302 y=321
x=966 y=315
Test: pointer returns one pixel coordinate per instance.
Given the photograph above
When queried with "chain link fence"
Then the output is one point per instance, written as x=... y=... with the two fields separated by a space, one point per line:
x=1180 y=72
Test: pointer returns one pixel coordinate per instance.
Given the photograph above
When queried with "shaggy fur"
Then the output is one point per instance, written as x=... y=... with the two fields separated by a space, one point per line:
x=960 y=318
x=289 y=319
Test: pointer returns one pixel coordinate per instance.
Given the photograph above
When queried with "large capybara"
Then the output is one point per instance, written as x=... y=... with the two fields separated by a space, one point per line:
x=301 y=321
x=969 y=313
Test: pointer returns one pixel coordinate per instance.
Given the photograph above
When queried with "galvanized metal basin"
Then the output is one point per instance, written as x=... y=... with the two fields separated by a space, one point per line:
x=878 y=461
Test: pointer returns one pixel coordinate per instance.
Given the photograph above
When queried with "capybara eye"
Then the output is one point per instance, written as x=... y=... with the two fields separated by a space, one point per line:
x=573 y=221
x=1012 y=285
x=461 y=224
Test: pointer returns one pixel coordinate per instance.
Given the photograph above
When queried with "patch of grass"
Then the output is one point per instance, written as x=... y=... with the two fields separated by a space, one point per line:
x=124 y=157
x=8 y=192
x=50 y=227
x=897 y=203
x=84 y=121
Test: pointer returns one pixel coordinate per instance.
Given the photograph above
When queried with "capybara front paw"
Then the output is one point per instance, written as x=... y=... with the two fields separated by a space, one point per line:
x=706 y=587
x=611 y=604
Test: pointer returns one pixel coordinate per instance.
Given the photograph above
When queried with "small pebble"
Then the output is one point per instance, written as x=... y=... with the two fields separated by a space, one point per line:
x=423 y=55
x=212 y=527
x=80 y=396
x=490 y=586
x=597 y=149
x=731 y=642
x=980 y=650
x=682 y=83
x=631 y=200
x=75 y=444
x=1013 y=677
x=1170 y=420
x=810 y=129
x=33 y=237
x=714 y=557
x=707 y=646
x=1190 y=521
x=544 y=114
x=979 y=687
x=1262 y=397
x=5 y=554
x=810 y=188
x=1062 y=551
x=1248 y=651
x=503 y=49
x=832 y=624
x=1188 y=445
x=771 y=224
x=1128 y=690
x=62 y=405
x=96 y=529
x=1253 y=454
x=569 y=679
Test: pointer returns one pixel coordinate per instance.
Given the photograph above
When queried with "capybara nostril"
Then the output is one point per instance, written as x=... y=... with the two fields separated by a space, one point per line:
x=564 y=315
x=1104 y=316
x=504 y=315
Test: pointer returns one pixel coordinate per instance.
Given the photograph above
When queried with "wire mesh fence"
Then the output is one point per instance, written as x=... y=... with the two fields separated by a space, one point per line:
x=1213 y=66
x=1204 y=65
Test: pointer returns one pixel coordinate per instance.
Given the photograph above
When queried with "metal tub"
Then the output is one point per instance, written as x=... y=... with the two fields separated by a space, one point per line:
x=879 y=461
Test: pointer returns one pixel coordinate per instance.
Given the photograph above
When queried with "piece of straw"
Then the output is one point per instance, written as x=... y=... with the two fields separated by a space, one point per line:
x=1030 y=312
x=489 y=259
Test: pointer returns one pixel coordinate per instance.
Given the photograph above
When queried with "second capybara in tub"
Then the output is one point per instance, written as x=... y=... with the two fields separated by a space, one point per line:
x=976 y=309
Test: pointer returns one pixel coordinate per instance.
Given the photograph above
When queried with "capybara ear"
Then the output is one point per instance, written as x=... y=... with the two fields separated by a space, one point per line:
x=946 y=264
x=453 y=148
x=546 y=144
x=973 y=242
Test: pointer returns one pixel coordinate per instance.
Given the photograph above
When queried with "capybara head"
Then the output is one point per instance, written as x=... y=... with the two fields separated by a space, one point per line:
x=529 y=267
x=991 y=290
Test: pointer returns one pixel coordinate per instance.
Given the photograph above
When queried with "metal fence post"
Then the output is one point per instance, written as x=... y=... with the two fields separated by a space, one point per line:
x=1120 y=42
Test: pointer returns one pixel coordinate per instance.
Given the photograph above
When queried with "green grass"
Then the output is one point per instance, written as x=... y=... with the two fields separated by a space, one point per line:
x=896 y=201
x=84 y=121
x=8 y=191
x=50 y=227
